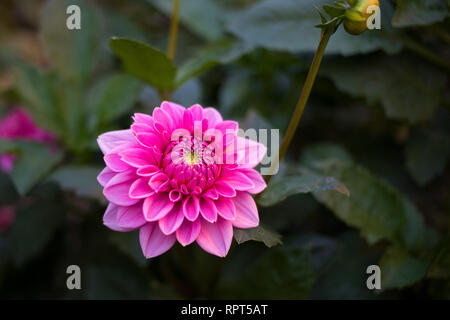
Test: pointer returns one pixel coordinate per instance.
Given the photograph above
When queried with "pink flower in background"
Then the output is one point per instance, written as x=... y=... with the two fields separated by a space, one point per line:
x=7 y=215
x=18 y=124
x=181 y=175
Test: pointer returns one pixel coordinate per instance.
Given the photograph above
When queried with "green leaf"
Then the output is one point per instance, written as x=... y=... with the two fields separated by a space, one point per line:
x=279 y=274
x=333 y=11
x=145 y=62
x=80 y=179
x=427 y=154
x=235 y=89
x=111 y=97
x=202 y=17
x=269 y=238
x=108 y=272
x=33 y=228
x=3 y=261
x=71 y=102
x=33 y=163
x=299 y=183
x=219 y=52
x=7 y=146
x=72 y=53
x=117 y=279
x=121 y=25
x=342 y=274
x=440 y=265
x=407 y=88
x=37 y=91
x=399 y=269
x=333 y=23
x=128 y=243
x=418 y=12
x=375 y=207
x=9 y=194
x=289 y=25
x=188 y=94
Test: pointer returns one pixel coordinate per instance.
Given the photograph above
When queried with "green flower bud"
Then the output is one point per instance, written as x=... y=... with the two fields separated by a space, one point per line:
x=355 y=21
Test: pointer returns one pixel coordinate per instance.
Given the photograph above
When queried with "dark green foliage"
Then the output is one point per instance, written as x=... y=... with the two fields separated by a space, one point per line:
x=365 y=180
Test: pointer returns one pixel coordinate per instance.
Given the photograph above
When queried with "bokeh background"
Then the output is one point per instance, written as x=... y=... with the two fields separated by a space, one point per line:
x=377 y=124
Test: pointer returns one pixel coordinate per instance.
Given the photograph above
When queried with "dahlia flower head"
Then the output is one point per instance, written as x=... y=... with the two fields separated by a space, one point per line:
x=182 y=174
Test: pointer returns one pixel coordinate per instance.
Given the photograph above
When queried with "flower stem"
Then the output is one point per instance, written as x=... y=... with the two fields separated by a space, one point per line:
x=172 y=45
x=311 y=77
x=426 y=53
x=173 y=30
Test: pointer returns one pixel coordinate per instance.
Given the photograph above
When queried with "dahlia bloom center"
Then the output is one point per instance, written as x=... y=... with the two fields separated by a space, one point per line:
x=181 y=175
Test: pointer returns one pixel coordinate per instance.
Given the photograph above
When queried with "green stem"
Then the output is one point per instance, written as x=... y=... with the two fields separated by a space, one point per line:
x=424 y=52
x=172 y=45
x=173 y=30
x=442 y=33
x=312 y=74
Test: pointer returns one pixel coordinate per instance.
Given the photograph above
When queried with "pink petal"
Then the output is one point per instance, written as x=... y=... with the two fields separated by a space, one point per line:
x=188 y=232
x=110 y=219
x=110 y=140
x=105 y=176
x=191 y=208
x=143 y=118
x=137 y=128
x=208 y=209
x=159 y=182
x=150 y=140
x=197 y=112
x=117 y=189
x=211 y=193
x=147 y=171
x=250 y=153
x=7 y=162
x=224 y=189
x=114 y=162
x=216 y=238
x=213 y=116
x=140 y=189
x=246 y=211
x=226 y=208
x=157 y=206
x=137 y=157
x=257 y=180
x=227 y=127
x=188 y=121
x=162 y=120
x=131 y=217
x=237 y=180
x=175 y=111
x=174 y=195
x=173 y=220
x=153 y=241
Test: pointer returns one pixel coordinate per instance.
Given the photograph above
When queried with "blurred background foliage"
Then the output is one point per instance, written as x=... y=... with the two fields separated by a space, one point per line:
x=376 y=128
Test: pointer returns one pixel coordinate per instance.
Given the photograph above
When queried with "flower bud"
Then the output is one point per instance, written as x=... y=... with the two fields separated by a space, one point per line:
x=355 y=21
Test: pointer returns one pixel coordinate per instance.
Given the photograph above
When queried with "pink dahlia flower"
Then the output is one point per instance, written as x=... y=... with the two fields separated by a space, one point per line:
x=181 y=175
x=18 y=124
